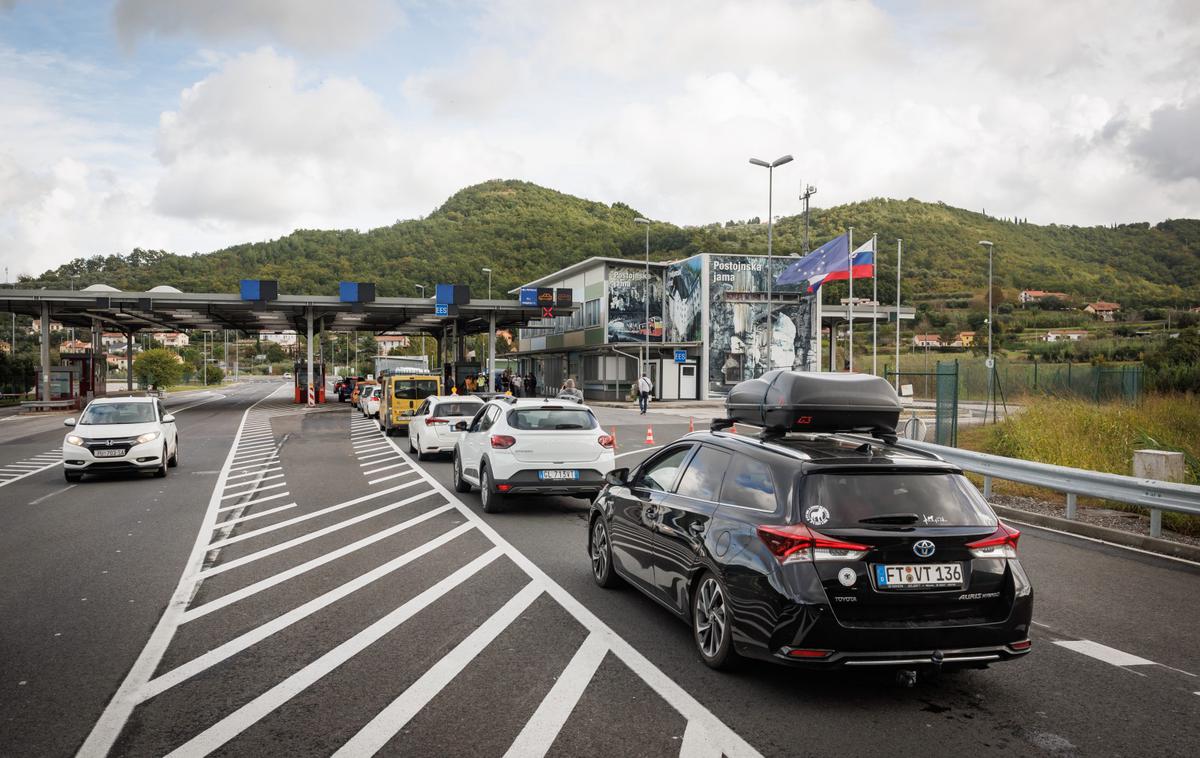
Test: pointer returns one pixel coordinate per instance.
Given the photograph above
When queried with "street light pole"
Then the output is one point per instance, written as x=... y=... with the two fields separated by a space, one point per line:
x=487 y=271
x=646 y=293
x=770 y=253
x=422 y=288
x=809 y=191
x=991 y=363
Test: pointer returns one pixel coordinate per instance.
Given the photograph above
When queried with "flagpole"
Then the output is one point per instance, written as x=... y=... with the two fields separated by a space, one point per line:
x=850 y=307
x=899 y=253
x=874 y=307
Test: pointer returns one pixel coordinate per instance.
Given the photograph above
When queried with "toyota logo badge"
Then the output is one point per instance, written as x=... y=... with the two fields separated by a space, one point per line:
x=923 y=548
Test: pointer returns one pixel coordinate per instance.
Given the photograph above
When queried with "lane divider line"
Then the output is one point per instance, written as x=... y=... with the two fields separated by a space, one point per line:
x=259 y=514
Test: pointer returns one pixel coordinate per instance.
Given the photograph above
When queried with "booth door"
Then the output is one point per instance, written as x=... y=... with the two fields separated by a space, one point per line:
x=687 y=381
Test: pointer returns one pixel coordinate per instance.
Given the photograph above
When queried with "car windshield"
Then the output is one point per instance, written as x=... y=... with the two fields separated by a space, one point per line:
x=892 y=500
x=118 y=413
x=414 y=389
x=445 y=410
x=551 y=418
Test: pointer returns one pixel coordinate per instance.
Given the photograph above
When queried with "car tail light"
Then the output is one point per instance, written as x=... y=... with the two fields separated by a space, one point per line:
x=1001 y=544
x=434 y=420
x=792 y=543
x=607 y=441
x=503 y=441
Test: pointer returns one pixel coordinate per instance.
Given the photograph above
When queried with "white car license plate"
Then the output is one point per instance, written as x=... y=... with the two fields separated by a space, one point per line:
x=555 y=474
x=108 y=453
x=919 y=575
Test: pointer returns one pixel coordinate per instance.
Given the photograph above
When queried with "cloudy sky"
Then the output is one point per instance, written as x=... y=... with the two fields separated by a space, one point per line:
x=193 y=124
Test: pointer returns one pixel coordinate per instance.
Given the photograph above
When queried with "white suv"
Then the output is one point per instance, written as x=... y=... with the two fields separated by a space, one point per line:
x=530 y=446
x=121 y=434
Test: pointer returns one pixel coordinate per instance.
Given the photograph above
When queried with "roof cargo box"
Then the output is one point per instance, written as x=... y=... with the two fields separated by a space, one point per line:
x=792 y=401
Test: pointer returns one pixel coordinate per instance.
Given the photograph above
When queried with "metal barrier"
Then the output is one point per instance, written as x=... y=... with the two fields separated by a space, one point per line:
x=1150 y=493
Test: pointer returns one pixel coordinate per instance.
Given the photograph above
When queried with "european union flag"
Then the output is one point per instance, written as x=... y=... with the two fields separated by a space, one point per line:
x=814 y=267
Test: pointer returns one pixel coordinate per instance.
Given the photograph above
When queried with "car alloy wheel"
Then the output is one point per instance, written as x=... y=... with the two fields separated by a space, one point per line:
x=174 y=461
x=710 y=623
x=601 y=553
x=161 y=471
x=489 y=499
x=460 y=484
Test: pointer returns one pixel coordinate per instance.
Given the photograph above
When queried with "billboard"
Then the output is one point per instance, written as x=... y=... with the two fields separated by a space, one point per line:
x=627 y=293
x=739 y=336
x=685 y=300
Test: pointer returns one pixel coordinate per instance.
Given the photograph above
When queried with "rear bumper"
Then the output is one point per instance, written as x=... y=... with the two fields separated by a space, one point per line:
x=929 y=658
x=527 y=482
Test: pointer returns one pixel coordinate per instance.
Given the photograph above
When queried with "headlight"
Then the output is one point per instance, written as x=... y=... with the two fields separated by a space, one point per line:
x=75 y=439
x=148 y=437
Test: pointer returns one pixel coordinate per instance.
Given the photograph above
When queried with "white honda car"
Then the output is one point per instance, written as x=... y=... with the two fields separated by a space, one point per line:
x=527 y=446
x=432 y=428
x=121 y=434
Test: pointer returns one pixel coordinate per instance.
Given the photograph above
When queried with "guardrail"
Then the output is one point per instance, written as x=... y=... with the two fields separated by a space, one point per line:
x=1156 y=495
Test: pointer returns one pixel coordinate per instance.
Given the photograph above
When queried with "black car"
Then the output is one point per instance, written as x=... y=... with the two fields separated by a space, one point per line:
x=816 y=548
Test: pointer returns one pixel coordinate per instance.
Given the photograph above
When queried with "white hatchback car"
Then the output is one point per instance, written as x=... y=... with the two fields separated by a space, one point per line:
x=368 y=401
x=121 y=434
x=432 y=427
x=531 y=446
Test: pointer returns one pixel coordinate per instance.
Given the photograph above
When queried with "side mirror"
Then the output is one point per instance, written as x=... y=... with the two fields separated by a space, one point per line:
x=68 y=422
x=618 y=477
x=461 y=426
x=169 y=418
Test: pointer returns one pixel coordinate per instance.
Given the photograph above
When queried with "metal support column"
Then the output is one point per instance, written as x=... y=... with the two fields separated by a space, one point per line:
x=491 y=364
x=129 y=360
x=44 y=328
x=99 y=362
x=308 y=369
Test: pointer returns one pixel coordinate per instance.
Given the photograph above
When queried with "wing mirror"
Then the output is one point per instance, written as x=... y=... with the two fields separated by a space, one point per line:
x=169 y=418
x=68 y=422
x=461 y=426
x=618 y=477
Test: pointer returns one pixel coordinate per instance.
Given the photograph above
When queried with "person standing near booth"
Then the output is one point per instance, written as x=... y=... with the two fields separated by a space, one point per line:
x=645 y=387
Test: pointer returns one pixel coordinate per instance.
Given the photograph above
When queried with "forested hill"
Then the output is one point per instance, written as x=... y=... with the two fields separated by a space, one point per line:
x=523 y=231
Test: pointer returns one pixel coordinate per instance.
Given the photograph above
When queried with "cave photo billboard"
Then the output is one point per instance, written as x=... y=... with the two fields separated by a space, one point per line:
x=685 y=300
x=627 y=292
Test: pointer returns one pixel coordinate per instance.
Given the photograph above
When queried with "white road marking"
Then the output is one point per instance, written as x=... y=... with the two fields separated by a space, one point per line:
x=258 y=465
x=389 y=476
x=696 y=744
x=1104 y=653
x=259 y=514
x=256 y=489
x=52 y=494
x=279 y=623
x=547 y=721
x=1164 y=556
x=389 y=466
x=252 y=473
x=255 y=501
x=299 y=519
x=18 y=471
x=106 y=730
x=246 y=716
x=381 y=460
x=639 y=450
x=193 y=405
x=264 y=479
x=309 y=536
x=376 y=457
x=253 y=589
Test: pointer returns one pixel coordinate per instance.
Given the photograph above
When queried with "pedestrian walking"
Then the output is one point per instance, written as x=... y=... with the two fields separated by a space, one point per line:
x=645 y=387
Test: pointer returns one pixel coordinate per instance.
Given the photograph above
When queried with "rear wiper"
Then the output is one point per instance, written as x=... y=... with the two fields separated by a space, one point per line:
x=568 y=426
x=891 y=518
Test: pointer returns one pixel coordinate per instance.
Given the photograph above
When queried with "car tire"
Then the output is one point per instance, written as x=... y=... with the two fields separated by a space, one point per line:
x=712 y=622
x=492 y=501
x=415 y=443
x=600 y=551
x=161 y=471
x=72 y=477
x=460 y=484
x=173 y=461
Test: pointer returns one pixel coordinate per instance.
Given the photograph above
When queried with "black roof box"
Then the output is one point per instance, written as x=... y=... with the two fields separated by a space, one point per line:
x=793 y=401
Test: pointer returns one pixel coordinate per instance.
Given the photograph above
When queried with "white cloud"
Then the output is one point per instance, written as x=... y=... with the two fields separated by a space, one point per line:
x=308 y=25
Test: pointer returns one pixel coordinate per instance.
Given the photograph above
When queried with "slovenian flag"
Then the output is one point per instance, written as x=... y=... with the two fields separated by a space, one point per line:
x=829 y=263
x=864 y=266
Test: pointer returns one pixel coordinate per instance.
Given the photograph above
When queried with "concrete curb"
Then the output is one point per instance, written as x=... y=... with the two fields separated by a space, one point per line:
x=1102 y=533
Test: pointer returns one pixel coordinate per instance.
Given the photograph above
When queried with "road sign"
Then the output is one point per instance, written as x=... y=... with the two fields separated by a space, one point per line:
x=990 y=363
x=681 y=356
x=547 y=312
x=529 y=296
x=441 y=309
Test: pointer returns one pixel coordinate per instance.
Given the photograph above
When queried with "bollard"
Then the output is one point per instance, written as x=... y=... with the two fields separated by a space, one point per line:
x=987 y=488
x=1162 y=465
x=1071 y=497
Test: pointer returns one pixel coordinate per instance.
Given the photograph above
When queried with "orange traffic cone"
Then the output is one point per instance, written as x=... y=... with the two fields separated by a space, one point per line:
x=691 y=424
x=649 y=435
x=733 y=428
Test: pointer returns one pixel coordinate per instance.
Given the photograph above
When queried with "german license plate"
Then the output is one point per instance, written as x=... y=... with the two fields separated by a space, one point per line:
x=108 y=453
x=558 y=474
x=919 y=575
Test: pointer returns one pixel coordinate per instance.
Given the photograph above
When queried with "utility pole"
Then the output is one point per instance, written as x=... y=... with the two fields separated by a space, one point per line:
x=808 y=192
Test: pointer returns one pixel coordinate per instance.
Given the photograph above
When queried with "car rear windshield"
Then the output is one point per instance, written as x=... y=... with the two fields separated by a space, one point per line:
x=549 y=419
x=118 y=413
x=892 y=500
x=414 y=389
x=457 y=409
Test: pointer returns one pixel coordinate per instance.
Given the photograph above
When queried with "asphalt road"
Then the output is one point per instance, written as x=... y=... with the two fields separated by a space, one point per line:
x=299 y=586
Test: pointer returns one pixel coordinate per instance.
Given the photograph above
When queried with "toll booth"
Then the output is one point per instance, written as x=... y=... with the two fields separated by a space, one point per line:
x=301 y=381
x=64 y=385
x=90 y=376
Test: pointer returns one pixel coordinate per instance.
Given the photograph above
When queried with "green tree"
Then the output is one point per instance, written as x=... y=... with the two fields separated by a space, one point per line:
x=159 y=367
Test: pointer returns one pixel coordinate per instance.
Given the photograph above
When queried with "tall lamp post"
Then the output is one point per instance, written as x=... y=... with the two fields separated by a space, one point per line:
x=991 y=362
x=422 y=288
x=491 y=361
x=487 y=271
x=646 y=294
x=770 y=167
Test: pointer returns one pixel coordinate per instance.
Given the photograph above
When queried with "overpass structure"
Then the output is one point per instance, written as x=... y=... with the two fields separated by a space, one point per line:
x=101 y=308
